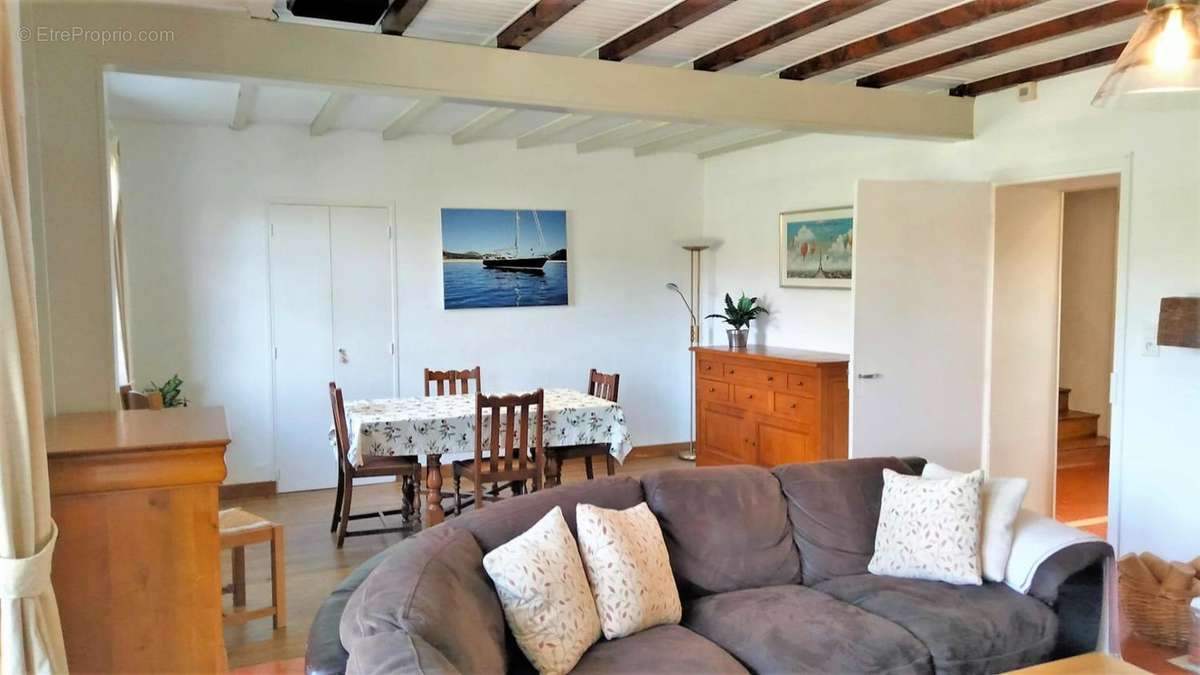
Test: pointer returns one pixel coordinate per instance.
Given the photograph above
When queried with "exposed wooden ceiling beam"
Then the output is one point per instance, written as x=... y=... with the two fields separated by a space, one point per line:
x=1093 y=17
x=547 y=133
x=676 y=141
x=1042 y=71
x=952 y=18
x=669 y=22
x=618 y=136
x=404 y=123
x=399 y=16
x=533 y=21
x=797 y=25
x=752 y=142
x=247 y=93
x=327 y=117
x=476 y=128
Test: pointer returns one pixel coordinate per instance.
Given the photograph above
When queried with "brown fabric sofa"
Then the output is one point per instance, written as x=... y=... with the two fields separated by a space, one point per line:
x=772 y=568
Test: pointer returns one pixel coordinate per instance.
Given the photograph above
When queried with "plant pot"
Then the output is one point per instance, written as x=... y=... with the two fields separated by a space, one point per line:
x=737 y=337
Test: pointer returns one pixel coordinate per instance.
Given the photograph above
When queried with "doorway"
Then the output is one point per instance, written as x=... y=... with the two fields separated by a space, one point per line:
x=1053 y=353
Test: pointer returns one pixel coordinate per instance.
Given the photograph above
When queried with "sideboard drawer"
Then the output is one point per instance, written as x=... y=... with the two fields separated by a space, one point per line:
x=710 y=390
x=708 y=368
x=796 y=407
x=751 y=398
x=759 y=376
x=805 y=385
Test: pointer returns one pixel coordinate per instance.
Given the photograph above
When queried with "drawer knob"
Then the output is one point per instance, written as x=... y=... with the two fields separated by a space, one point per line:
x=770 y=378
x=793 y=406
x=749 y=396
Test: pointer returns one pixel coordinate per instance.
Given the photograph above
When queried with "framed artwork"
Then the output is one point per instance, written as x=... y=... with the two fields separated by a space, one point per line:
x=503 y=258
x=816 y=248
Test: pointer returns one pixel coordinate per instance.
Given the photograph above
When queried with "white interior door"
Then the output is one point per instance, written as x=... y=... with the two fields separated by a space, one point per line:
x=301 y=322
x=362 y=301
x=922 y=265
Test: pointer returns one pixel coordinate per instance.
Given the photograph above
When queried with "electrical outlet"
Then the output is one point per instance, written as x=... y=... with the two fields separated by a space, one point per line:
x=1027 y=92
x=1150 y=347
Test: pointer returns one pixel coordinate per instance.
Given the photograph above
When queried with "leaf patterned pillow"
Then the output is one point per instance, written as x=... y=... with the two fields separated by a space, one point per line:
x=929 y=529
x=544 y=592
x=627 y=565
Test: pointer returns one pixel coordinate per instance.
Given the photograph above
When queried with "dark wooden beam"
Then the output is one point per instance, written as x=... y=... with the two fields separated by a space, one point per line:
x=814 y=18
x=536 y=19
x=1093 y=17
x=1042 y=71
x=671 y=21
x=953 y=18
x=398 y=17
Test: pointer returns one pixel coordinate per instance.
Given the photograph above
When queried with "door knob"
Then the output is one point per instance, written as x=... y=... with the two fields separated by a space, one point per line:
x=342 y=356
x=870 y=376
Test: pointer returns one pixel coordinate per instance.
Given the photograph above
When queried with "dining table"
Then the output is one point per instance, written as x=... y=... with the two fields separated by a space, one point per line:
x=428 y=427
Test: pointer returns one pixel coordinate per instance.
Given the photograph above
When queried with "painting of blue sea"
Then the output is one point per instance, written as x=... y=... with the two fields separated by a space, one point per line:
x=816 y=248
x=503 y=258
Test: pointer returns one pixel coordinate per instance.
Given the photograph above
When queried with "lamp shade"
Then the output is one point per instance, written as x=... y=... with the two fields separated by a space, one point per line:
x=1160 y=65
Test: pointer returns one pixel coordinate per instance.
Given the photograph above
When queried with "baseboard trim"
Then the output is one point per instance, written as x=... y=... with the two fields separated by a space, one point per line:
x=266 y=488
x=660 y=450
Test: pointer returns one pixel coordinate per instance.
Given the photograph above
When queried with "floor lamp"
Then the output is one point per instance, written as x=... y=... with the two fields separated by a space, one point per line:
x=694 y=247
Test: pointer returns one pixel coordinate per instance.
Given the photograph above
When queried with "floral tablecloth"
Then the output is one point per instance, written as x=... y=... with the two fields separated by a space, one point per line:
x=436 y=425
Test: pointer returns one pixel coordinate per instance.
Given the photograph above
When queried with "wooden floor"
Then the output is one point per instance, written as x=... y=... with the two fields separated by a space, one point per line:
x=1081 y=498
x=315 y=566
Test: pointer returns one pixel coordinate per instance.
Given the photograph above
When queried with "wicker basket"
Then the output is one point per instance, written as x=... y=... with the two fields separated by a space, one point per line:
x=1162 y=619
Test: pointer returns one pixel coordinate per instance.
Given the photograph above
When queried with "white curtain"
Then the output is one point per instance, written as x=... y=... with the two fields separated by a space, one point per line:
x=30 y=635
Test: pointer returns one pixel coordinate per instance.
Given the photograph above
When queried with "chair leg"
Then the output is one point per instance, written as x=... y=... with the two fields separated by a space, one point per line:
x=611 y=463
x=478 y=491
x=278 y=579
x=410 y=496
x=239 y=576
x=558 y=464
x=458 y=494
x=337 y=501
x=587 y=465
x=347 y=494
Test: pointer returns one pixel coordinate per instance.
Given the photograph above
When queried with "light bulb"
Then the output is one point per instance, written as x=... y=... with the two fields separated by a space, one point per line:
x=1173 y=48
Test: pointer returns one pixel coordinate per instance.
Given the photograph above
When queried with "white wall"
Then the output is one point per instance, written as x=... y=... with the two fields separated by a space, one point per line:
x=1088 y=288
x=1157 y=473
x=195 y=217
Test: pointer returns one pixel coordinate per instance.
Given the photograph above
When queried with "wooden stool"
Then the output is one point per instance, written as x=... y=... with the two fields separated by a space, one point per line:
x=240 y=528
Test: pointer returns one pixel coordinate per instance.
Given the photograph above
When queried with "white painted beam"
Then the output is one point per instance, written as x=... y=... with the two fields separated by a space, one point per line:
x=247 y=93
x=476 y=128
x=404 y=123
x=752 y=142
x=618 y=136
x=327 y=117
x=676 y=141
x=547 y=133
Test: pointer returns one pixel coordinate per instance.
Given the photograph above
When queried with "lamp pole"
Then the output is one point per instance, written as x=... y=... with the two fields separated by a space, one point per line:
x=695 y=249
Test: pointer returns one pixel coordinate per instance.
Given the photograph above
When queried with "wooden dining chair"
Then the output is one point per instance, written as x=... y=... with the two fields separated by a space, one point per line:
x=407 y=469
x=601 y=385
x=452 y=381
x=514 y=453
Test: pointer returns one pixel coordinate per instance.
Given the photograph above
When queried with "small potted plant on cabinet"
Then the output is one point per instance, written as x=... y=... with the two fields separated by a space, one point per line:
x=739 y=315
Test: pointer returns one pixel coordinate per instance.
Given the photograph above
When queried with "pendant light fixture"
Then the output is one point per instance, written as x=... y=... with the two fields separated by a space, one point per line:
x=1160 y=66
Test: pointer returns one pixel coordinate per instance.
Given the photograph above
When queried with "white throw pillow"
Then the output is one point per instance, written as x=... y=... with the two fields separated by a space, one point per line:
x=627 y=564
x=929 y=529
x=1001 y=502
x=544 y=591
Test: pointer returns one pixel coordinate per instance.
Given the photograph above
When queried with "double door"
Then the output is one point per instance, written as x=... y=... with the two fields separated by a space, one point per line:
x=332 y=319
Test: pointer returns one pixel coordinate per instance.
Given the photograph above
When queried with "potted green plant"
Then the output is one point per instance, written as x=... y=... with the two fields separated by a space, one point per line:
x=171 y=393
x=739 y=315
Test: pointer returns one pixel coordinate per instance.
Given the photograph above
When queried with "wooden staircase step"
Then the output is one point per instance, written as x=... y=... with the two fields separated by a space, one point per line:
x=1077 y=424
x=1084 y=451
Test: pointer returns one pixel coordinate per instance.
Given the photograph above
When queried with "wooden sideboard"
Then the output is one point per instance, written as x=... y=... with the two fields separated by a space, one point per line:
x=137 y=567
x=769 y=406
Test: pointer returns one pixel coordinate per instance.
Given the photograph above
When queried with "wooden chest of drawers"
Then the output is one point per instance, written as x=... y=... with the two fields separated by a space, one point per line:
x=770 y=406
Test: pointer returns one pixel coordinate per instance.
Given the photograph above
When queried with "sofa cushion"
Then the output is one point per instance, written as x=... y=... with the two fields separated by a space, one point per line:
x=726 y=528
x=967 y=629
x=669 y=650
x=795 y=629
x=497 y=522
x=834 y=511
x=432 y=586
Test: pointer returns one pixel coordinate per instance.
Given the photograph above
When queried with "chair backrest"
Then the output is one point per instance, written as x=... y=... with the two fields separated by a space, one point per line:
x=603 y=385
x=504 y=437
x=340 y=431
x=452 y=381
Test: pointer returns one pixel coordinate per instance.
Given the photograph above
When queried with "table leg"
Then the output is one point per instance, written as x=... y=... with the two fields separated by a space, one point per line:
x=433 y=490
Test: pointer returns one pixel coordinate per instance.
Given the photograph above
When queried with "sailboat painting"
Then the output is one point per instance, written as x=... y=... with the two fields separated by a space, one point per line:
x=816 y=248
x=503 y=258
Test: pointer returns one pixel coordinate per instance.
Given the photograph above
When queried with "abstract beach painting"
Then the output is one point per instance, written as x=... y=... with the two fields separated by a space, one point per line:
x=816 y=248
x=503 y=258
